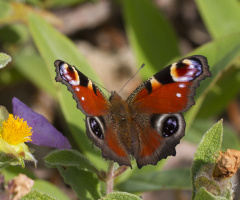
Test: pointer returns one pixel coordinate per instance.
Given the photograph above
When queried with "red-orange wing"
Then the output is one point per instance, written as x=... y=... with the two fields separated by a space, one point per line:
x=90 y=100
x=172 y=89
x=93 y=103
x=156 y=107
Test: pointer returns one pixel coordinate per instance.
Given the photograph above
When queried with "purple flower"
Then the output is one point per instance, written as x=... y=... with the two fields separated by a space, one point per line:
x=44 y=133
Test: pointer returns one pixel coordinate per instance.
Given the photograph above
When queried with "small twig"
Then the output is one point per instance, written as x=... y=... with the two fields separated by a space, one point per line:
x=120 y=170
x=110 y=177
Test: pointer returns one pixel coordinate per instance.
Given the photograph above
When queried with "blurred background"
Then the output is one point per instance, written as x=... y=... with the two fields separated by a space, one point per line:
x=115 y=38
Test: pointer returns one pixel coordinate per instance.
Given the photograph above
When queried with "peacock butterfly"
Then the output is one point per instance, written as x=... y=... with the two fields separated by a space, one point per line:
x=149 y=124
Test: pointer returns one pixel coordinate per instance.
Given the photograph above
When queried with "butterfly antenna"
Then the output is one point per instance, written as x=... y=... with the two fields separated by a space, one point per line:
x=132 y=77
x=101 y=86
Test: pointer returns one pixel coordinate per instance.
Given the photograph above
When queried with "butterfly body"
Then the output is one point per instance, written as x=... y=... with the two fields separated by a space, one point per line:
x=149 y=124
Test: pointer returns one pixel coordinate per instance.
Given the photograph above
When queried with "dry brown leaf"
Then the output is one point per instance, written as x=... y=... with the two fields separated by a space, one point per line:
x=20 y=186
x=227 y=164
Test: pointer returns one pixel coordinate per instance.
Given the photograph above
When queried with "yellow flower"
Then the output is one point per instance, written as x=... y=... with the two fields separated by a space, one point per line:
x=13 y=133
x=15 y=130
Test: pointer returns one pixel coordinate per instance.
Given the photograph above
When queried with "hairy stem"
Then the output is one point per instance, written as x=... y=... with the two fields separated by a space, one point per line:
x=110 y=177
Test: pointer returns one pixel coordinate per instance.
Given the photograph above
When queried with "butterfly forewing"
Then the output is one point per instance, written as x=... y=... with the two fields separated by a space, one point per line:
x=90 y=100
x=172 y=89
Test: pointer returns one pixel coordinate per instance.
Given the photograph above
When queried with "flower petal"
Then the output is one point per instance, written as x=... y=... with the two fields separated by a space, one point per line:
x=44 y=133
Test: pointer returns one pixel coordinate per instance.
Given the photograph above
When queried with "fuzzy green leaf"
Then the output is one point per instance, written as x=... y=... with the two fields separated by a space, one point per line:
x=199 y=126
x=207 y=150
x=36 y=194
x=84 y=183
x=204 y=194
x=4 y=60
x=69 y=158
x=121 y=196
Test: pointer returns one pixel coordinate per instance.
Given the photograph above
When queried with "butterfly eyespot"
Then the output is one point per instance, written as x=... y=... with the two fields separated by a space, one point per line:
x=170 y=126
x=96 y=128
x=167 y=125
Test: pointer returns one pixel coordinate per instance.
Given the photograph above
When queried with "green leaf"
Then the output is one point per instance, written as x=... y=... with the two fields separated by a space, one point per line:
x=52 y=46
x=69 y=158
x=220 y=54
x=199 y=126
x=151 y=35
x=36 y=194
x=50 y=189
x=221 y=17
x=32 y=66
x=120 y=196
x=204 y=194
x=170 y=179
x=221 y=91
x=4 y=60
x=208 y=148
x=84 y=183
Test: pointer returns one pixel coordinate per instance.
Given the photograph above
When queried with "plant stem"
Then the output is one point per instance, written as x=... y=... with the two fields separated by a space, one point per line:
x=110 y=177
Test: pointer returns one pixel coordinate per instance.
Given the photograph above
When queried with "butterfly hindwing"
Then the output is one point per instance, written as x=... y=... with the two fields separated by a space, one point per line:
x=107 y=138
x=158 y=134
